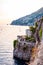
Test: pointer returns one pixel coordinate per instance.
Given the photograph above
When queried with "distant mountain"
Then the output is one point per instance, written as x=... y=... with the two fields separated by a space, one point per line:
x=29 y=19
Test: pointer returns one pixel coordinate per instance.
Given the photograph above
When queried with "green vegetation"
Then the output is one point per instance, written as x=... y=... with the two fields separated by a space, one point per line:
x=32 y=29
x=40 y=33
x=14 y=43
x=31 y=39
x=36 y=25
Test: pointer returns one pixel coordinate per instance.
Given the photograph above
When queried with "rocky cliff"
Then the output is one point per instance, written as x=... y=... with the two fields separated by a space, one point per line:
x=39 y=57
x=28 y=52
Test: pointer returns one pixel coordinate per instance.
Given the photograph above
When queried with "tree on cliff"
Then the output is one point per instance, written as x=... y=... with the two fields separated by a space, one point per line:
x=38 y=29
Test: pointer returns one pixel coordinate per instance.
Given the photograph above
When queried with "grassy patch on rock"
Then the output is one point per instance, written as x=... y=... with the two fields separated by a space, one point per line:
x=14 y=43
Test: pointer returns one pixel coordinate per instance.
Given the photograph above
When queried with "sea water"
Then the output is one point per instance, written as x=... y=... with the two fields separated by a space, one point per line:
x=8 y=33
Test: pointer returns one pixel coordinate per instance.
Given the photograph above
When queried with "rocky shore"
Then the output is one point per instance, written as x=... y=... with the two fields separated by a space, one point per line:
x=30 y=48
x=23 y=52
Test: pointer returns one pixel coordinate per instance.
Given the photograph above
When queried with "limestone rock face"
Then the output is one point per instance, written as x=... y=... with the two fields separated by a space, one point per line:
x=39 y=58
x=23 y=51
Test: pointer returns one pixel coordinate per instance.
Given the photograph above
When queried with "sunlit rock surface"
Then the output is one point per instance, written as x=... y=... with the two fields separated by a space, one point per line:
x=39 y=57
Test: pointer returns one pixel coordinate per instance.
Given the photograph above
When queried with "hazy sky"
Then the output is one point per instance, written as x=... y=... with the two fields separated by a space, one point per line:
x=14 y=9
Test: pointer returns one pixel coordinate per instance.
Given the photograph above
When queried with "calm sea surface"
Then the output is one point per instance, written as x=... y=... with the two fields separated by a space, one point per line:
x=7 y=34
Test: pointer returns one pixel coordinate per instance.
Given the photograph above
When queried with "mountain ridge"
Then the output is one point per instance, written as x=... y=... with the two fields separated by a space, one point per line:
x=29 y=20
